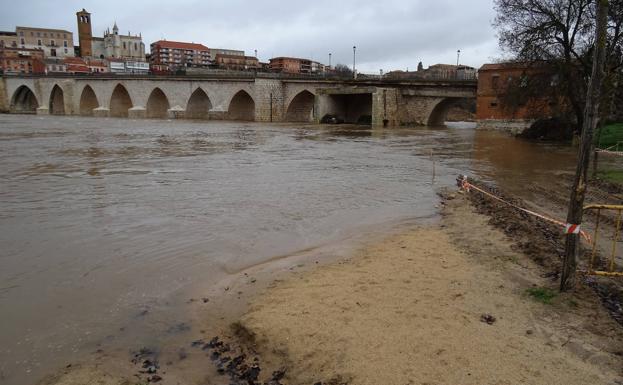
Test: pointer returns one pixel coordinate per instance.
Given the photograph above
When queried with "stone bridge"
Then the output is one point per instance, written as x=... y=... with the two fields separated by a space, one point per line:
x=258 y=98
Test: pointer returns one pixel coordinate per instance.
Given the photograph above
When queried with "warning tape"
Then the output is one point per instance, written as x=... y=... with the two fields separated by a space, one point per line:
x=569 y=228
x=619 y=153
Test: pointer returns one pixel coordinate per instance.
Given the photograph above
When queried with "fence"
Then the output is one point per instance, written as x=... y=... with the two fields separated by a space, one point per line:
x=610 y=263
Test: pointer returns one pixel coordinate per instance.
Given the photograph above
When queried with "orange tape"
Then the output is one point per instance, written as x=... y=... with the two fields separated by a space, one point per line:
x=465 y=185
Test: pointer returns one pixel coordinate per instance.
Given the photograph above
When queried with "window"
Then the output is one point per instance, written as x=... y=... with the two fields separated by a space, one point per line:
x=38 y=34
x=21 y=33
x=39 y=42
x=45 y=34
x=14 y=44
x=53 y=52
x=494 y=81
x=52 y=43
x=22 y=41
x=135 y=47
x=65 y=44
x=64 y=36
x=65 y=50
x=494 y=104
x=124 y=47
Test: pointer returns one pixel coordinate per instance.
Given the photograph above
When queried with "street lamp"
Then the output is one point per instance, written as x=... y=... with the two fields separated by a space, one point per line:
x=329 y=60
x=354 y=61
x=458 y=54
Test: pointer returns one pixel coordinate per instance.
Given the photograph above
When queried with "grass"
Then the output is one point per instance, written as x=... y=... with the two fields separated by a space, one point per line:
x=614 y=176
x=542 y=294
x=610 y=136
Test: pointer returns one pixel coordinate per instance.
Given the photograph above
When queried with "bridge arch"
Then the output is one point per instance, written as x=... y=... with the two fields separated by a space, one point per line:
x=301 y=108
x=120 y=102
x=57 y=101
x=198 y=105
x=157 y=104
x=242 y=107
x=439 y=112
x=88 y=101
x=24 y=101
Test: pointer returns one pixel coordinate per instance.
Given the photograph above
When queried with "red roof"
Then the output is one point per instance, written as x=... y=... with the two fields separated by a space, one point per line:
x=78 y=68
x=180 y=45
x=75 y=60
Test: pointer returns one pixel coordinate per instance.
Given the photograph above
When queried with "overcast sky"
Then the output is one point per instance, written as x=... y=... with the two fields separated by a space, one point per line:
x=389 y=34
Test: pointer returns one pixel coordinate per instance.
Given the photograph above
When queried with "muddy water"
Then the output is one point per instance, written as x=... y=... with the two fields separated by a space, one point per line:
x=103 y=221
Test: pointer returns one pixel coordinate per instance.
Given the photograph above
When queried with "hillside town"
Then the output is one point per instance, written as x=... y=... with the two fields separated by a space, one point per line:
x=35 y=50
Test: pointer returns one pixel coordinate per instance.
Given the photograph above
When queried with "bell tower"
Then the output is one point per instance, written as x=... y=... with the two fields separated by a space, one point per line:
x=84 y=33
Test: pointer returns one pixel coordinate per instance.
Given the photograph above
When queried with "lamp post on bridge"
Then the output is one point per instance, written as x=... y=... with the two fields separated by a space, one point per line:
x=329 y=60
x=354 y=61
x=458 y=54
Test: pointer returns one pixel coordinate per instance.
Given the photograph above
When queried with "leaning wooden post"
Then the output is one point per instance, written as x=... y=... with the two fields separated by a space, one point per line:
x=591 y=115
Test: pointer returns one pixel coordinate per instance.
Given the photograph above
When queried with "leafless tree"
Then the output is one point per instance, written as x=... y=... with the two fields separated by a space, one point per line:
x=561 y=34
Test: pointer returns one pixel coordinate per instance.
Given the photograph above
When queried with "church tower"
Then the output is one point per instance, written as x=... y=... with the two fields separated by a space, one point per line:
x=84 y=33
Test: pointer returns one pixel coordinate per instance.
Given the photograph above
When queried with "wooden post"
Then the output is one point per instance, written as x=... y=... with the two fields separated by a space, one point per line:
x=591 y=116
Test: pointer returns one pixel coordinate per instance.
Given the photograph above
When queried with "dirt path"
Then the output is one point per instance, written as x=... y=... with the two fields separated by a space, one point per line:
x=408 y=311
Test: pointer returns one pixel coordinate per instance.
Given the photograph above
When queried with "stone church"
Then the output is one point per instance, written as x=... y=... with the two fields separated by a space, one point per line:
x=112 y=45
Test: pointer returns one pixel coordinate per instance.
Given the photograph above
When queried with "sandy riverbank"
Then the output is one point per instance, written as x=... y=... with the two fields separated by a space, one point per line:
x=408 y=311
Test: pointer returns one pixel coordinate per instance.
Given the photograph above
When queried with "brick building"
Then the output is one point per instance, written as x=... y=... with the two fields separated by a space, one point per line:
x=494 y=85
x=176 y=54
x=21 y=60
x=237 y=62
x=53 y=42
x=294 y=65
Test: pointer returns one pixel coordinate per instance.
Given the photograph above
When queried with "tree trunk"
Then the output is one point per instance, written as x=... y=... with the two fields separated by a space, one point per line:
x=591 y=116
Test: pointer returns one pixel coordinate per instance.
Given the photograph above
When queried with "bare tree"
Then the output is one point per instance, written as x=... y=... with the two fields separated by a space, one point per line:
x=562 y=34
x=343 y=70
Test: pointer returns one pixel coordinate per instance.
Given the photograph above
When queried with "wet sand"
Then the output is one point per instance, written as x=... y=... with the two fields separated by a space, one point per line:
x=408 y=311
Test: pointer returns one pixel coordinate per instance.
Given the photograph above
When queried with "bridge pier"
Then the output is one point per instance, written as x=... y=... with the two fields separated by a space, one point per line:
x=137 y=112
x=101 y=112
x=43 y=110
x=176 y=112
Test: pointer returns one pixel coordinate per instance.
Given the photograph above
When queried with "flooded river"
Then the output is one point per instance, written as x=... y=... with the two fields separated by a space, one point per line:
x=103 y=220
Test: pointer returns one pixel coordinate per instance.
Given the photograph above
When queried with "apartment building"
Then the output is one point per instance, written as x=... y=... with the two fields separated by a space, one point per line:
x=237 y=62
x=295 y=65
x=176 y=54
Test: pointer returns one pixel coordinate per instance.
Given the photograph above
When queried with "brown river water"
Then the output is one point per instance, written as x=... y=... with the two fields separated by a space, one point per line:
x=105 y=220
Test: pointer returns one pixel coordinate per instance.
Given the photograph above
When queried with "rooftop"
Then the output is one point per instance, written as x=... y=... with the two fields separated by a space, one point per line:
x=180 y=45
x=43 y=29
